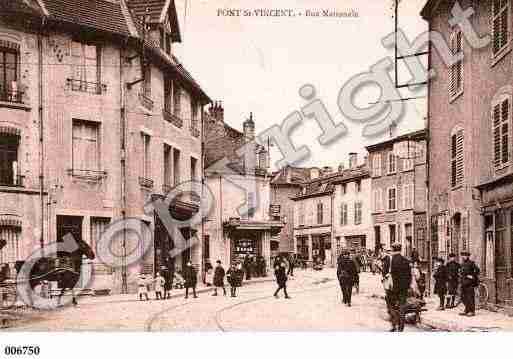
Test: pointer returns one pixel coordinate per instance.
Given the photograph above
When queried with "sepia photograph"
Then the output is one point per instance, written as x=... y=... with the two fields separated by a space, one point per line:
x=292 y=166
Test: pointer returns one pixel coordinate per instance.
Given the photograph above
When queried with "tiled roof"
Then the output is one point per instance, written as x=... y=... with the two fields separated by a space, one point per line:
x=416 y=135
x=297 y=175
x=325 y=185
x=95 y=14
x=155 y=9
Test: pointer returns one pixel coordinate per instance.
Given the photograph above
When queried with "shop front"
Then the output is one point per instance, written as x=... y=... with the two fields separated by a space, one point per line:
x=497 y=241
x=251 y=238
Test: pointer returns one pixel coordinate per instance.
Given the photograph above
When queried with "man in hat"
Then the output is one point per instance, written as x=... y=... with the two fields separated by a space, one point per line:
x=453 y=278
x=346 y=274
x=219 y=274
x=469 y=281
x=400 y=270
x=385 y=257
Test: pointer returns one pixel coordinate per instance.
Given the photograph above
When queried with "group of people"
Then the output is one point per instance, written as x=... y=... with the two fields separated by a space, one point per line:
x=403 y=278
x=451 y=276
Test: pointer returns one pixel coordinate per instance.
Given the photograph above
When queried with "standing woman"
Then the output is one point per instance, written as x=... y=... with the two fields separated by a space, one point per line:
x=440 y=276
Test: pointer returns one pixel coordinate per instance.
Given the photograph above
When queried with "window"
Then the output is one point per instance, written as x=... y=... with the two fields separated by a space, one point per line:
x=457 y=158
x=12 y=237
x=376 y=165
x=377 y=201
x=193 y=168
x=501 y=122
x=86 y=147
x=407 y=164
x=9 y=72
x=500 y=24
x=391 y=233
x=176 y=166
x=168 y=89
x=343 y=214
x=320 y=213
x=147 y=81
x=9 y=171
x=98 y=226
x=456 y=72
x=358 y=213
x=391 y=162
x=168 y=179
x=251 y=204
x=408 y=196
x=86 y=60
x=358 y=186
x=392 y=199
x=344 y=188
x=146 y=142
x=194 y=119
x=301 y=214
x=177 y=93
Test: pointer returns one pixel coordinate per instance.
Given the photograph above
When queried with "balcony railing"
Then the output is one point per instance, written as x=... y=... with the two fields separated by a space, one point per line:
x=146 y=182
x=171 y=117
x=84 y=86
x=8 y=180
x=87 y=174
x=11 y=96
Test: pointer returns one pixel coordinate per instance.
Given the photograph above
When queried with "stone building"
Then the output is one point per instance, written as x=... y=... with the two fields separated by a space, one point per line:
x=97 y=118
x=398 y=173
x=331 y=212
x=240 y=222
x=285 y=184
x=352 y=220
x=470 y=144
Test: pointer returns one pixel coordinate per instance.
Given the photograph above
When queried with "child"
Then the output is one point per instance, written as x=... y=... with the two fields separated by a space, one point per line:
x=159 y=286
x=142 y=285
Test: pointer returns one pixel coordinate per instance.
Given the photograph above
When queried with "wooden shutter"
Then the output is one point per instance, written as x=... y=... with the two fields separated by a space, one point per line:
x=459 y=65
x=496 y=121
x=505 y=131
x=500 y=132
x=500 y=24
x=459 y=157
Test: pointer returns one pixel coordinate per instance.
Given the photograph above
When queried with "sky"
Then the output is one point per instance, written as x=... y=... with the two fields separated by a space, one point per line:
x=258 y=64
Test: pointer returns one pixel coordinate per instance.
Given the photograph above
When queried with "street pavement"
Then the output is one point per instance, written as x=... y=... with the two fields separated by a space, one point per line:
x=316 y=305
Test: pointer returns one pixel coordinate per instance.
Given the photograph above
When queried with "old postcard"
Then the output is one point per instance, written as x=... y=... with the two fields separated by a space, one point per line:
x=255 y=166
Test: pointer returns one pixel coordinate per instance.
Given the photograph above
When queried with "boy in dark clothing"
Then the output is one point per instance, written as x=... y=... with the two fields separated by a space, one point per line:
x=453 y=277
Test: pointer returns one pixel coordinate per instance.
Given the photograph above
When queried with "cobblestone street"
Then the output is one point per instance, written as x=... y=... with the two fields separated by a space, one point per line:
x=315 y=305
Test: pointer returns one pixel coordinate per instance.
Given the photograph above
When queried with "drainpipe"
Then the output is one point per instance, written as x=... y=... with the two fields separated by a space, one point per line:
x=428 y=154
x=332 y=224
x=123 y=152
x=41 y=131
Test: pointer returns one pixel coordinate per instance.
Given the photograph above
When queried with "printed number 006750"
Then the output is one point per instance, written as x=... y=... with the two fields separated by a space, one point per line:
x=21 y=350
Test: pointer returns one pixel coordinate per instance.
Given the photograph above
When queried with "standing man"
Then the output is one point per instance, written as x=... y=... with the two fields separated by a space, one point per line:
x=415 y=257
x=189 y=275
x=440 y=276
x=453 y=277
x=346 y=274
x=219 y=274
x=400 y=270
x=280 y=273
x=469 y=281
x=292 y=263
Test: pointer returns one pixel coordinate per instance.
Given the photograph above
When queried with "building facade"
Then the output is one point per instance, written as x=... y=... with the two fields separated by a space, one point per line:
x=470 y=145
x=240 y=222
x=352 y=220
x=285 y=184
x=398 y=175
x=99 y=118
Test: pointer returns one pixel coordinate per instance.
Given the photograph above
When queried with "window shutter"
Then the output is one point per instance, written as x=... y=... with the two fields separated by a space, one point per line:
x=505 y=131
x=496 y=135
x=459 y=64
x=459 y=157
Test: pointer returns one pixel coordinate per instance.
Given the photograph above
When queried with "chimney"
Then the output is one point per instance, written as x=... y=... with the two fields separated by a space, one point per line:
x=314 y=173
x=353 y=160
x=249 y=128
x=216 y=111
x=341 y=167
